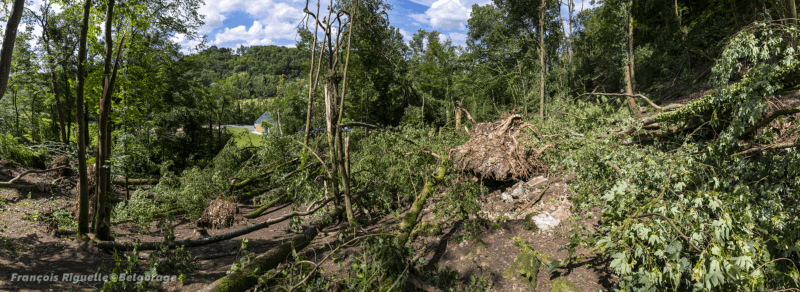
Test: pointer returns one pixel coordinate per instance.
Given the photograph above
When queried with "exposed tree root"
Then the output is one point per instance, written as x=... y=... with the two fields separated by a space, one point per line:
x=410 y=219
x=247 y=276
x=203 y=241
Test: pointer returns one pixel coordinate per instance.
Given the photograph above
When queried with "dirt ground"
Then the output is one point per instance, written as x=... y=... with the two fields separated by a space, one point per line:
x=30 y=247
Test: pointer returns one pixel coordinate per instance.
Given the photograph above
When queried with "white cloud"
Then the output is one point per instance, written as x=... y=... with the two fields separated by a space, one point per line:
x=445 y=14
x=442 y=38
x=458 y=37
x=258 y=34
x=187 y=45
x=406 y=36
x=276 y=20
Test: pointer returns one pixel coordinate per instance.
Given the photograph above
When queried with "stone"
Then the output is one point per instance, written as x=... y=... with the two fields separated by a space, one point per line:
x=545 y=221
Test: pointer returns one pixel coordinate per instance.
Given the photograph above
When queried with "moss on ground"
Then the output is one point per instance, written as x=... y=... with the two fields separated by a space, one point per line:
x=563 y=285
x=525 y=268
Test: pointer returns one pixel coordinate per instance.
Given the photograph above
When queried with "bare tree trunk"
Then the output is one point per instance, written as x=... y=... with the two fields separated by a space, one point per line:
x=16 y=112
x=8 y=44
x=541 y=60
x=629 y=89
x=59 y=111
x=792 y=15
x=102 y=224
x=311 y=85
x=332 y=151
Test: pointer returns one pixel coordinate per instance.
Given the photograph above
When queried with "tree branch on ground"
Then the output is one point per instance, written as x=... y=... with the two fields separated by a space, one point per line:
x=12 y=183
x=248 y=276
x=203 y=241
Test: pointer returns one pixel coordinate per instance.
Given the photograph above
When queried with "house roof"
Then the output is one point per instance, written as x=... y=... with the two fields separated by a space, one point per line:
x=264 y=116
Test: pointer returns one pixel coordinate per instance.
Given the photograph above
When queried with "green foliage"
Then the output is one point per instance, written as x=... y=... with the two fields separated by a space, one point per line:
x=12 y=149
x=526 y=265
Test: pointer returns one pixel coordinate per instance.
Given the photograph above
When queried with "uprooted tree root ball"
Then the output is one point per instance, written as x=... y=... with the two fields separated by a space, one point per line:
x=60 y=161
x=91 y=190
x=219 y=214
x=494 y=152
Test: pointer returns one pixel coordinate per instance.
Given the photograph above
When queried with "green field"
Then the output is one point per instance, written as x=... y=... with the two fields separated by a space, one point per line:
x=244 y=138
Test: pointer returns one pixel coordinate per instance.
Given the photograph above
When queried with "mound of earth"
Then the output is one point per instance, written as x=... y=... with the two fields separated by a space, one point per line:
x=219 y=214
x=494 y=152
x=60 y=161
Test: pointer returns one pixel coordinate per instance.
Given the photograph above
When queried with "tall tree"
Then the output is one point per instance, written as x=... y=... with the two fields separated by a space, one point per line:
x=541 y=59
x=83 y=193
x=629 y=72
x=47 y=29
x=102 y=226
x=8 y=44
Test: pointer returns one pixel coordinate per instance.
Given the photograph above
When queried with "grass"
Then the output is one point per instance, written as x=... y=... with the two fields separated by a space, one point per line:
x=244 y=138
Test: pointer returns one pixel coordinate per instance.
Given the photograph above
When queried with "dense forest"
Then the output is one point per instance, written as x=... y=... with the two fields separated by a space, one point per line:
x=632 y=146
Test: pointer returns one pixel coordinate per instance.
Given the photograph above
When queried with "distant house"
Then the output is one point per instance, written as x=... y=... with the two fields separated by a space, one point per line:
x=263 y=117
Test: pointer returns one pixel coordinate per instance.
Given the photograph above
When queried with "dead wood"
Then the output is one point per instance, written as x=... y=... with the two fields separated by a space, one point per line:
x=136 y=181
x=126 y=246
x=494 y=152
x=769 y=147
x=469 y=117
x=12 y=183
x=661 y=108
x=60 y=161
x=410 y=219
x=248 y=276
x=266 y=206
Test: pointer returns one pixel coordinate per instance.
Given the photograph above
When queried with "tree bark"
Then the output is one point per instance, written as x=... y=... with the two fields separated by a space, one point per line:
x=410 y=219
x=629 y=89
x=9 y=38
x=59 y=111
x=102 y=225
x=541 y=60
x=792 y=15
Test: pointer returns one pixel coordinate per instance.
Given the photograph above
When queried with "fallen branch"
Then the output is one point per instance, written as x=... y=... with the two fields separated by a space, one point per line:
x=12 y=183
x=769 y=119
x=266 y=206
x=259 y=177
x=662 y=108
x=419 y=283
x=469 y=117
x=136 y=182
x=248 y=276
x=769 y=147
x=126 y=246
x=410 y=219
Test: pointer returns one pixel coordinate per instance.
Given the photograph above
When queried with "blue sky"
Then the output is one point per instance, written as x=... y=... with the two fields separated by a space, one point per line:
x=231 y=23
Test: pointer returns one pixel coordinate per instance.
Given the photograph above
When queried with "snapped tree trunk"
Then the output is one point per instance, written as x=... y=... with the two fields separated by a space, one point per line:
x=9 y=38
x=410 y=219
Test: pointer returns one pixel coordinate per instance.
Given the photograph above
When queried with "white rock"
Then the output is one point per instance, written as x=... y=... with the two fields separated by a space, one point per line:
x=545 y=222
x=507 y=198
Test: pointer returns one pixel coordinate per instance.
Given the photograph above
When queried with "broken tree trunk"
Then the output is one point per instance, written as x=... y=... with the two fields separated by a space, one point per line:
x=410 y=219
x=126 y=246
x=247 y=277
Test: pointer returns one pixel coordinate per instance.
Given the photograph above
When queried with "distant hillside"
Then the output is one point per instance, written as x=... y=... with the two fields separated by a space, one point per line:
x=263 y=65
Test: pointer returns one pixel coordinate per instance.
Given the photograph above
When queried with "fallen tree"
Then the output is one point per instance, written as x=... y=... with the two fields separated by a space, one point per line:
x=127 y=246
x=12 y=184
x=410 y=219
x=136 y=181
x=247 y=276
